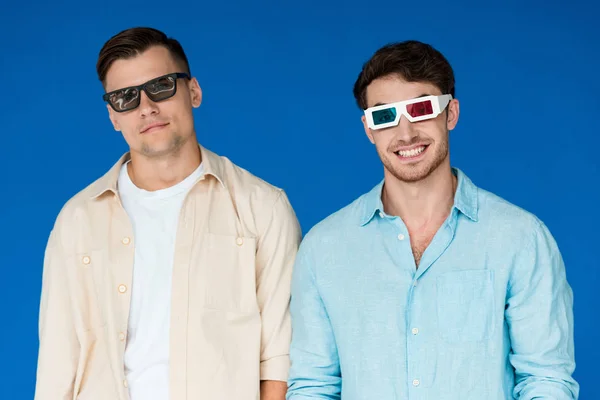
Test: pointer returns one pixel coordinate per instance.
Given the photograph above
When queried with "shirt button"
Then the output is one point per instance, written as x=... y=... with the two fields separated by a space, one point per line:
x=125 y=383
x=400 y=237
x=121 y=336
x=126 y=240
x=415 y=331
x=416 y=382
x=122 y=288
x=239 y=241
x=380 y=214
x=86 y=260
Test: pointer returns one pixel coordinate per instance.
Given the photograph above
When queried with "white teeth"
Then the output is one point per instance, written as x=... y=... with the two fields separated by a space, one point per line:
x=412 y=152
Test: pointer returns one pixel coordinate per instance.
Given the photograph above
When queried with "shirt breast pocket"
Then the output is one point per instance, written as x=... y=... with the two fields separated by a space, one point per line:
x=465 y=305
x=227 y=273
x=86 y=288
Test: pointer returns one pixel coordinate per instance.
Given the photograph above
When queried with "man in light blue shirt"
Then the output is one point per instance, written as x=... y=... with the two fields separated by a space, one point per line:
x=427 y=287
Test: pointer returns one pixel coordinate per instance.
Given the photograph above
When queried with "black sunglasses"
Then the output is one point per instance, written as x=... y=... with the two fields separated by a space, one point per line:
x=157 y=89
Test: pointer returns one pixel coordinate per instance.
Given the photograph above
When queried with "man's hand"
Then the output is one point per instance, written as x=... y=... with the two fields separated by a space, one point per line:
x=273 y=390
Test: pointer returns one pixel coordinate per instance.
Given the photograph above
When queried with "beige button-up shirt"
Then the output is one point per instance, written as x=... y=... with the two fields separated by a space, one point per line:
x=230 y=328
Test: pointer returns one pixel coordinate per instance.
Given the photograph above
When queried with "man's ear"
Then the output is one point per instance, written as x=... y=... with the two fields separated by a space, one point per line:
x=195 y=93
x=453 y=111
x=367 y=129
x=113 y=119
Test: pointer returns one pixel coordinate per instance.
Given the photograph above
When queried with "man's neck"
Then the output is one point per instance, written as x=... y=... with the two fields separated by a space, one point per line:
x=162 y=172
x=422 y=205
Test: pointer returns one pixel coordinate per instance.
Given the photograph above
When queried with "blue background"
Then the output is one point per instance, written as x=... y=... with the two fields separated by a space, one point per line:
x=277 y=82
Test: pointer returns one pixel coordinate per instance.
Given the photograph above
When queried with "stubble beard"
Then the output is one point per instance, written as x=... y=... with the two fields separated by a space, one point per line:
x=175 y=143
x=411 y=173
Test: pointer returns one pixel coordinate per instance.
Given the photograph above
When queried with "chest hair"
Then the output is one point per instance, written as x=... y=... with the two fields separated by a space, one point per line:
x=419 y=243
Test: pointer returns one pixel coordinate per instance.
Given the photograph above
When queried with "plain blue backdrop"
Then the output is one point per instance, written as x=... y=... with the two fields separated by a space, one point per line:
x=277 y=80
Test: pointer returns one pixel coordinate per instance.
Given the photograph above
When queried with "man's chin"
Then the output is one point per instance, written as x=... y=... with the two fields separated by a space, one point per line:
x=159 y=150
x=415 y=171
x=156 y=151
x=411 y=173
x=409 y=177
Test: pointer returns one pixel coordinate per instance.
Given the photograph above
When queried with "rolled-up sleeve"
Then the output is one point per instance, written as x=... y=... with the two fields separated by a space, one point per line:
x=277 y=247
x=540 y=319
x=315 y=371
x=58 y=345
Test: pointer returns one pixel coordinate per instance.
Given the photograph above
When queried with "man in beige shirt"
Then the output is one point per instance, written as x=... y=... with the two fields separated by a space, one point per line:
x=168 y=277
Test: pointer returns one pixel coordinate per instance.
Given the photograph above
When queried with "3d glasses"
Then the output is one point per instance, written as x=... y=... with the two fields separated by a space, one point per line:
x=418 y=109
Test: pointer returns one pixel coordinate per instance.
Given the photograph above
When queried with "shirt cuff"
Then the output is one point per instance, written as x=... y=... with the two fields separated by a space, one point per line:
x=275 y=369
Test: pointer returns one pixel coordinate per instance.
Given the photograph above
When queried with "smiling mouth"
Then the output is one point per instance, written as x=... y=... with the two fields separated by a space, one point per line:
x=412 y=153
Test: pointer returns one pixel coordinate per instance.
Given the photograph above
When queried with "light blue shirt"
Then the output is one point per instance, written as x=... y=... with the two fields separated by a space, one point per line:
x=488 y=315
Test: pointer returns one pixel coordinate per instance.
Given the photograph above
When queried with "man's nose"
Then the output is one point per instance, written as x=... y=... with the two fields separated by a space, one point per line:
x=405 y=131
x=147 y=106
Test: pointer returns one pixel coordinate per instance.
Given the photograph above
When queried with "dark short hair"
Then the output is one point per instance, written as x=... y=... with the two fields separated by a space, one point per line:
x=131 y=42
x=411 y=60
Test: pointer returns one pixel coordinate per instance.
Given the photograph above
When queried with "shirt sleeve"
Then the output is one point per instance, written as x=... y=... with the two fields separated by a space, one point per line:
x=277 y=248
x=58 y=343
x=315 y=370
x=539 y=313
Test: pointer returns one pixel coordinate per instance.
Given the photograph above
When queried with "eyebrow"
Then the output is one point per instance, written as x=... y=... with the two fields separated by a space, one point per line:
x=422 y=95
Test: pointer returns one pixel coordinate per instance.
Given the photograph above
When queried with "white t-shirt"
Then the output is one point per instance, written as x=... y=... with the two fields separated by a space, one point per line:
x=154 y=216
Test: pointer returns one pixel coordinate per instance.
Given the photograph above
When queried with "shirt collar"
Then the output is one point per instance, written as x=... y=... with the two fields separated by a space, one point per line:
x=371 y=204
x=465 y=199
x=212 y=164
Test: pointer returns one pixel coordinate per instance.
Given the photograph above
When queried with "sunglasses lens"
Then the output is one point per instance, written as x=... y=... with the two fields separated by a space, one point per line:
x=384 y=116
x=420 y=109
x=125 y=99
x=161 y=88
